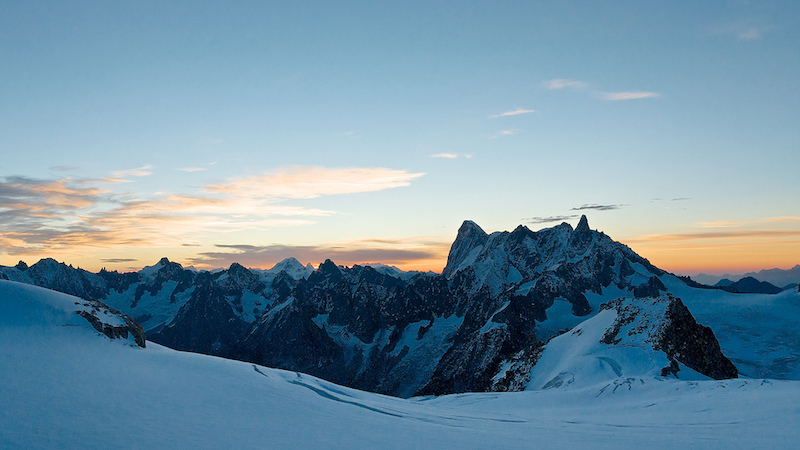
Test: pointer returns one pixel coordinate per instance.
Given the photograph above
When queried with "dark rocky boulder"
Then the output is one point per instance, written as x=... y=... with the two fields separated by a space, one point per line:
x=98 y=313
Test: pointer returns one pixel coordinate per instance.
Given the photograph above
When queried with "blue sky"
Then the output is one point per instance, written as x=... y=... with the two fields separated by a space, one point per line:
x=212 y=132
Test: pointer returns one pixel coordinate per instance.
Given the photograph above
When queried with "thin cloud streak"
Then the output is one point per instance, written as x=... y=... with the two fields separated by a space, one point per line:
x=561 y=83
x=137 y=172
x=752 y=234
x=631 y=95
x=515 y=112
x=549 y=219
x=192 y=169
x=450 y=156
x=597 y=207
x=504 y=133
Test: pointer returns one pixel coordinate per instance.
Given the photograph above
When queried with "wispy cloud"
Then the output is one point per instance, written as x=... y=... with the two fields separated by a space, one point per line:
x=561 y=83
x=630 y=95
x=192 y=169
x=502 y=133
x=65 y=168
x=58 y=214
x=549 y=219
x=744 y=30
x=117 y=260
x=737 y=234
x=450 y=155
x=137 y=172
x=352 y=134
x=515 y=112
x=749 y=223
x=749 y=34
x=597 y=207
x=395 y=252
x=312 y=182
x=784 y=219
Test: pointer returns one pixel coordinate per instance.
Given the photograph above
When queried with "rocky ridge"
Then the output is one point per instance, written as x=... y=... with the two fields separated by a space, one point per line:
x=500 y=298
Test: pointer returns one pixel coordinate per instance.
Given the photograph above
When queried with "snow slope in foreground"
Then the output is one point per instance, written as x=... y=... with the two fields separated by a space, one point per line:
x=71 y=387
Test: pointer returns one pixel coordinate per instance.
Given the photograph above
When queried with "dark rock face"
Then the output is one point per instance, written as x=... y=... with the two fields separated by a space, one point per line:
x=693 y=344
x=96 y=312
x=205 y=324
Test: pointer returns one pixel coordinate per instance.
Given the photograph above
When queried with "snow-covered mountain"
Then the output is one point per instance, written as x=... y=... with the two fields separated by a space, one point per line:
x=500 y=299
x=64 y=384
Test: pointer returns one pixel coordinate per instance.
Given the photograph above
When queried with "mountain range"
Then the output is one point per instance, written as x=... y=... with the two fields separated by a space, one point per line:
x=504 y=308
x=777 y=277
x=72 y=378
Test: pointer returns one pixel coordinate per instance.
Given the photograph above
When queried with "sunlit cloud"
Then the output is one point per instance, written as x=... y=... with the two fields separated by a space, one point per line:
x=750 y=223
x=784 y=219
x=47 y=215
x=192 y=169
x=753 y=234
x=450 y=156
x=515 y=112
x=21 y=193
x=631 y=95
x=312 y=182
x=560 y=83
x=137 y=172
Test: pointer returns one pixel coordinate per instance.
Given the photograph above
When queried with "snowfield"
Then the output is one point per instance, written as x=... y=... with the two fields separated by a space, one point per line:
x=64 y=385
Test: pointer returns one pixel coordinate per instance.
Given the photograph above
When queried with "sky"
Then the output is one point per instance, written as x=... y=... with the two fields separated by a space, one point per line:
x=220 y=132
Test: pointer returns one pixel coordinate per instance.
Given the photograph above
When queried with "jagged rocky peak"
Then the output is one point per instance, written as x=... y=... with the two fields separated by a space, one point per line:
x=583 y=225
x=469 y=240
x=328 y=270
x=21 y=266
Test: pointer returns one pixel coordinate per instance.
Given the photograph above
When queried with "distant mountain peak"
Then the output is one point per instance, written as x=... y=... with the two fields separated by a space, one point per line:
x=583 y=224
x=469 y=238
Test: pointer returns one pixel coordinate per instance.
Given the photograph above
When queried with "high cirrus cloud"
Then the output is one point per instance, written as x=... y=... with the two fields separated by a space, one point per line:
x=450 y=156
x=629 y=95
x=312 y=182
x=561 y=83
x=549 y=219
x=596 y=207
x=515 y=112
